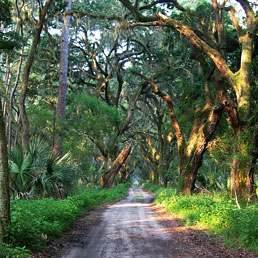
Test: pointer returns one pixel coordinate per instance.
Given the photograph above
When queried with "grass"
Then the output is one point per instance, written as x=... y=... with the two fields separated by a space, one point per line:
x=217 y=213
x=34 y=222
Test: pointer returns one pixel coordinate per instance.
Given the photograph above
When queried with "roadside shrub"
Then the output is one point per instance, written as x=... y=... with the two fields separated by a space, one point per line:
x=8 y=251
x=39 y=174
x=151 y=187
x=217 y=213
x=35 y=222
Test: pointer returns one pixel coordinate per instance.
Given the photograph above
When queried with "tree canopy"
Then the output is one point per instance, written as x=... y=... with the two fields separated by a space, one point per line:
x=176 y=82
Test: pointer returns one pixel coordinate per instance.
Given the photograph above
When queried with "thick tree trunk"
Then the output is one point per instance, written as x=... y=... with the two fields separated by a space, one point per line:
x=241 y=178
x=242 y=168
x=5 y=221
x=191 y=158
x=252 y=169
x=108 y=177
x=206 y=121
x=62 y=90
x=25 y=78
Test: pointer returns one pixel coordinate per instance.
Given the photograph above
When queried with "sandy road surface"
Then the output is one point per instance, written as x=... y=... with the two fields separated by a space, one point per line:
x=129 y=228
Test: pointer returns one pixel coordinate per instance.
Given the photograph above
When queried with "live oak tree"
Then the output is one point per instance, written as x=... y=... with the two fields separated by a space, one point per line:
x=242 y=182
x=108 y=177
x=191 y=150
x=93 y=120
x=191 y=143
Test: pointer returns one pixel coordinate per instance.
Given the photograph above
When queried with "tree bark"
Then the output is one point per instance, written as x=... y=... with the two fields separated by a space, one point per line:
x=191 y=158
x=242 y=166
x=5 y=220
x=108 y=177
x=25 y=78
x=62 y=90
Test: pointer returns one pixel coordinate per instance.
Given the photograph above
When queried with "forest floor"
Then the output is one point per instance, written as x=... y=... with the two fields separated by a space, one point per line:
x=135 y=227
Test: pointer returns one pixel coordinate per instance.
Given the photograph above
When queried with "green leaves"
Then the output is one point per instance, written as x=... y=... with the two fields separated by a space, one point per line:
x=96 y=113
x=20 y=166
x=5 y=12
x=8 y=251
x=92 y=121
x=35 y=222
x=39 y=174
x=217 y=213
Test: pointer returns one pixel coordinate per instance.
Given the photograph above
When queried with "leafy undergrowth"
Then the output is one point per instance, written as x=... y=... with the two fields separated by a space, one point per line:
x=8 y=251
x=217 y=213
x=35 y=222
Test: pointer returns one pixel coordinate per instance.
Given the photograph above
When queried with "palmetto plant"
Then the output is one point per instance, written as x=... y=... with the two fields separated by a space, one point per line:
x=57 y=178
x=21 y=176
x=39 y=174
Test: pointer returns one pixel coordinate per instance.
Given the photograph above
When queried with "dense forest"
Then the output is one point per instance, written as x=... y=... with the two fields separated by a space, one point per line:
x=98 y=93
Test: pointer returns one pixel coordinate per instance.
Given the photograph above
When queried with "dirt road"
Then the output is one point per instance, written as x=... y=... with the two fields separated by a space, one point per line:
x=131 y=228
x=128 y=229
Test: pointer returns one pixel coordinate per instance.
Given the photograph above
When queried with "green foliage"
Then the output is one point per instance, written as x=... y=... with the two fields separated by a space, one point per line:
x=213 y=175
x=40 y=118
x=95 y=115
x=8 y=39
x=91 y=122
x=224 y=147
x=8 y=251
x=20 y=165
x=217 y=213
x=92 y=173
x=151 y=187
x=34 y=222
x=57 y=6
x=58 y=177
x=39 y=174
x=5 y=12
x=6 y=44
